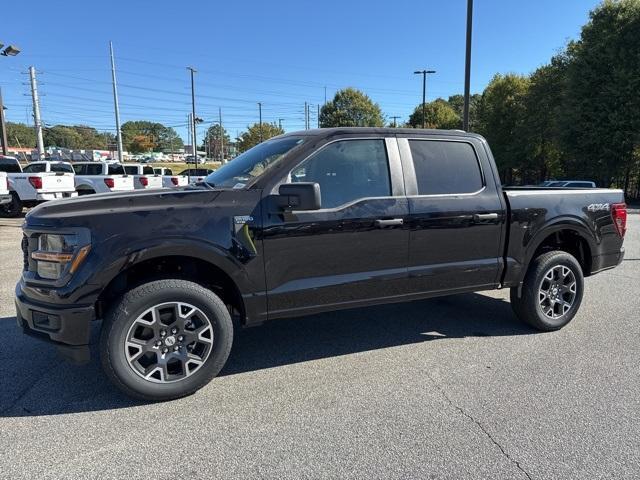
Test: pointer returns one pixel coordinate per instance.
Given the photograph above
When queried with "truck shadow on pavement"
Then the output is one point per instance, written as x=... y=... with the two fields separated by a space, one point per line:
x=35 y=381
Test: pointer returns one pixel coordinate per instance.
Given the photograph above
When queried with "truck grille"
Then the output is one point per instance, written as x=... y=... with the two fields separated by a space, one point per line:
x=25 y=252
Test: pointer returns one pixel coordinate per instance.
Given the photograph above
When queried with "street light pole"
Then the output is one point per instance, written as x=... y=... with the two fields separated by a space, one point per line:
x=194 y=148
x=424 y=93
x=10 y=51
x=115 y=104
x=260 y=115
x=467 y=67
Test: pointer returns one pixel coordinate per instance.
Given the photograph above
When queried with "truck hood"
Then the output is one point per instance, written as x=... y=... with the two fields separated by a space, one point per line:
x=141 y=203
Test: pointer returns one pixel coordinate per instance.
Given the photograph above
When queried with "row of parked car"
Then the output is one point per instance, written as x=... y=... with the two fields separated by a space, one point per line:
x=49 y=180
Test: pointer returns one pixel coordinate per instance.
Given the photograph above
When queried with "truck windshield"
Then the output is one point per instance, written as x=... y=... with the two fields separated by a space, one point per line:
x=252 y=163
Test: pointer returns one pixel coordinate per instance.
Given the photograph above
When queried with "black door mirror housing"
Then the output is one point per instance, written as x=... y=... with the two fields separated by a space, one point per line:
x=299 y=196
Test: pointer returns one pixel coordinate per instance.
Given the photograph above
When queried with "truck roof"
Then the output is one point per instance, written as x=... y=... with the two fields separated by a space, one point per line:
x=330 y=132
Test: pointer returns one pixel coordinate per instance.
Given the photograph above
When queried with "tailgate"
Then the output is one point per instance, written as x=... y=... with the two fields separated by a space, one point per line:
x=122 y=182
x=155 y=181
x=57 y=182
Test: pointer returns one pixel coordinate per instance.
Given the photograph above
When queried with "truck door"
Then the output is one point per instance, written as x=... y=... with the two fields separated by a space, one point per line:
x=352 y=250
x=456 y=215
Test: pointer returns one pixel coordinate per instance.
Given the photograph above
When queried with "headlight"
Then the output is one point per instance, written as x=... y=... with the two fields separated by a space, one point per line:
x=57 y=253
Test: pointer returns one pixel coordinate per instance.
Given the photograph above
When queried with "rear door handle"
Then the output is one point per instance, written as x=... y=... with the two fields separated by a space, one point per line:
x=483 y=217
x=389 y=223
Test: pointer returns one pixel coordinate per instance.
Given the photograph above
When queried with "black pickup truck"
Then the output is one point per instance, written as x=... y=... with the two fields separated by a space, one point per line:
x=305 y=222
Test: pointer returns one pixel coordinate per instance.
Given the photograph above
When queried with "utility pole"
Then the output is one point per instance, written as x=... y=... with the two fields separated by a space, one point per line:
x=280 y=123
x=325 y=95
x=115 y=104
x=306 y=116
x=467 y=68
x=221 y=136
x=395 y=117
x=424 y=93
x=318 y=119
x=260 y=116
x=194 y=148
x=3 y=127
x=36 y=111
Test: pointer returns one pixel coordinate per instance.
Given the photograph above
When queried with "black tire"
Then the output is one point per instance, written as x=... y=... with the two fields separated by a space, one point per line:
x=540 y=309
x=118 y=325
x=85 y=192
x=13 y=209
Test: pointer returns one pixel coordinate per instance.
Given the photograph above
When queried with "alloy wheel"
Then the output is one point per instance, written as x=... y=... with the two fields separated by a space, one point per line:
x=169 y=342
x=557 y=291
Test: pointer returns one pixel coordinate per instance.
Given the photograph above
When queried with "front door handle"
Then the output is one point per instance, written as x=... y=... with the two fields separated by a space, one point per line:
x=483 y=217
x=389 y=223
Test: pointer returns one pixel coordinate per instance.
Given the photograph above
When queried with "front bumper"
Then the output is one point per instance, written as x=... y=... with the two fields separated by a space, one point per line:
x=43 y=197
x=63 y=324
x=4 y=199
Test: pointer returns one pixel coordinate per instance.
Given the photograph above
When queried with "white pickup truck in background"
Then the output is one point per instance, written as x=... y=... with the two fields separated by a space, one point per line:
x=38 y=182
x=5 y=196
x=101 y=177
x=169 y=179
x=143 y=176
x=196 y=175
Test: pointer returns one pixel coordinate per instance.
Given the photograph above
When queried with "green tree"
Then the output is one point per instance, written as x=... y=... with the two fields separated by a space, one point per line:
x=540 y=129
x=438 y=114
x=501 y=117
x=62 y=136
x=601 y=123
x=212 y=141
x=21 y=135
x=457 y=103
x=256 y=134
x=351 y=108
x=158 y=137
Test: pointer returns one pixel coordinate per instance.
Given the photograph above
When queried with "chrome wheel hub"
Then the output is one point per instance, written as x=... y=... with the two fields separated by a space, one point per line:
x=557 y=292
x=169 y=342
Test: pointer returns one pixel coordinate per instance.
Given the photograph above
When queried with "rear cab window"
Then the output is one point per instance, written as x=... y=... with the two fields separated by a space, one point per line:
x=61 y=167
x=35 y=168
x=115 y=169
x=445 y=167
x=147 y=171
x=9 y=165
x=131 y=170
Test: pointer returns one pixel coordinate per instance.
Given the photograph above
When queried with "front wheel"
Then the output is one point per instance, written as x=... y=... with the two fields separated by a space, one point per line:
x=551 y=292
x=165 y=339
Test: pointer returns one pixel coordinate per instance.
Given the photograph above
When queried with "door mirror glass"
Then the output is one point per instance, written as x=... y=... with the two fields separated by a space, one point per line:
x=299 y=196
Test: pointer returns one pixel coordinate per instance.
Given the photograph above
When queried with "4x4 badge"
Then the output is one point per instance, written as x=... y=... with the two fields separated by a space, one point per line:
x=242 y=219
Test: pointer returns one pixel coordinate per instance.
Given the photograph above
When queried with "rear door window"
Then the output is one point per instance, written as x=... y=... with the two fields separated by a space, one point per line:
x=131 y=170
x=445 y=167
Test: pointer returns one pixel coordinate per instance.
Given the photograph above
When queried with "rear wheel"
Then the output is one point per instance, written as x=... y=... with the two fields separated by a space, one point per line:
x=551 y=293
x=85 y=192
x=165 y=339
x=12 y=209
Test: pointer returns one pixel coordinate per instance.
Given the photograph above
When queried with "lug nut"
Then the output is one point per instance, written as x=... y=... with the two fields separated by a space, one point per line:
x=163 y=333
x=176 y=348
x=165 y=350
x=180 y=338
x=158 y=343
x=174 y=330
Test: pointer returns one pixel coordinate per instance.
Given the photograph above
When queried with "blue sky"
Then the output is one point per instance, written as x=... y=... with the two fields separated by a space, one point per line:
x=278 y=53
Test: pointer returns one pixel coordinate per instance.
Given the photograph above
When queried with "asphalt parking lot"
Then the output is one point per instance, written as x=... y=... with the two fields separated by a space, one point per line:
x=447 y=388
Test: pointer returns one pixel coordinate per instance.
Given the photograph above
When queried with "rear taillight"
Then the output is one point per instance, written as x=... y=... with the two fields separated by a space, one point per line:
x=144 y=181
x=109 y=182
x=175 y=180
x=36 y=182
x=619 y=215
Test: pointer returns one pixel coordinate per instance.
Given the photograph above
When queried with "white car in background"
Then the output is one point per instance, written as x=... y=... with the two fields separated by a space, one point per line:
x=169 y=179
x=37 y=183
x=196 y=175
x=143 y=176
x=5 y=196
x=101 y=177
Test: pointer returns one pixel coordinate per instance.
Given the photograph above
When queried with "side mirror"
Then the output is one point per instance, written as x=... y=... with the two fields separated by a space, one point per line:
x=299 y=196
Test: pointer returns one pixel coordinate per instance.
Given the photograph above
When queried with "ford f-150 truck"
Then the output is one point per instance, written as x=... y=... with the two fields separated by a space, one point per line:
x=303 y=223
x=143 y=176
x=37 y=182
x=101 y=177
